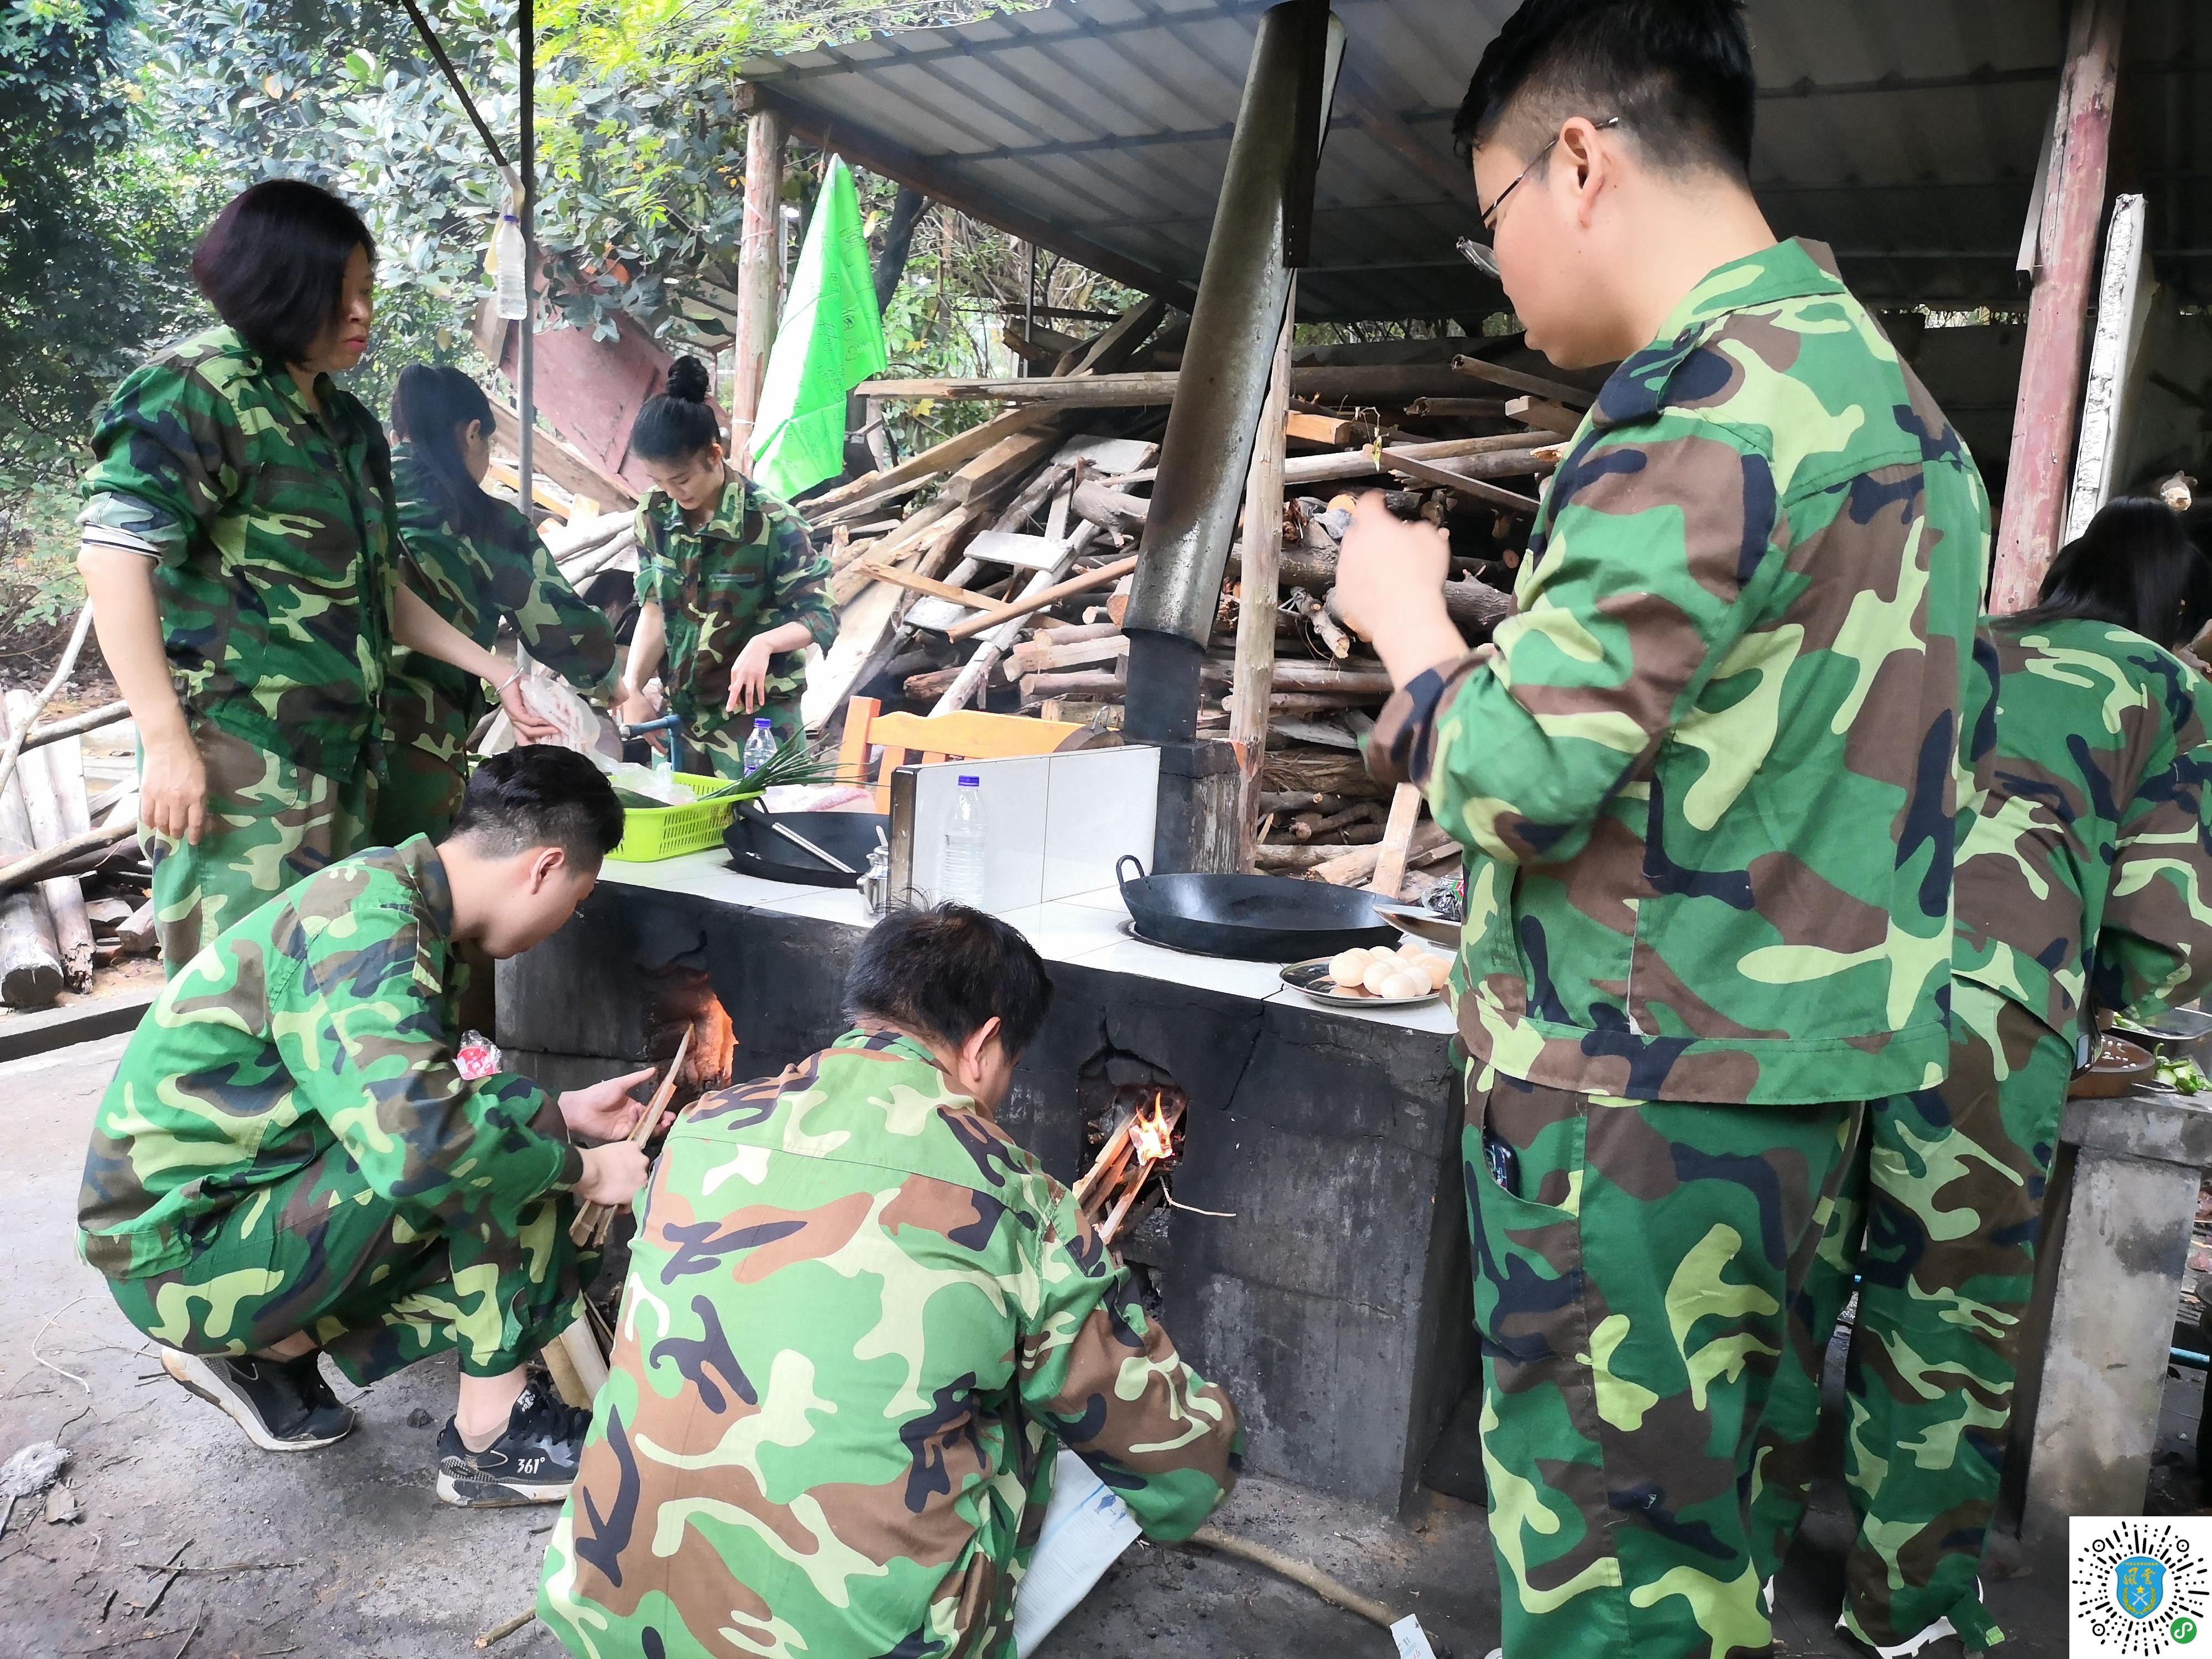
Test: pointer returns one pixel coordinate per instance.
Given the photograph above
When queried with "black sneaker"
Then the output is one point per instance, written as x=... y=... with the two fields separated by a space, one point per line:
x=533 y=1461
x=284 y=1404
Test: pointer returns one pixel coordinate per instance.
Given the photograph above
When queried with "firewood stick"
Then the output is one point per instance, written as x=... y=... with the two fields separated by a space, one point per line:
x=44 y=863
x=1359 y=865
x=590 y=1226
x=1101 y=577
x=91 y=720
x=1398 y=461
x=21 y=728
x=1115 y=1143
x=1558 y=391
x=1397 y=841
x=1316 y=614
x=1213 y=1538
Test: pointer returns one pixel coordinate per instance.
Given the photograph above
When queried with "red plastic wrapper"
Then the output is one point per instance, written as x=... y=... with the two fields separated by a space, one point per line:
x=479 y=1057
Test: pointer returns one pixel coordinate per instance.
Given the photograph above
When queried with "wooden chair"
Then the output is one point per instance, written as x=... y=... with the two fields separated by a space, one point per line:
x=964 y=735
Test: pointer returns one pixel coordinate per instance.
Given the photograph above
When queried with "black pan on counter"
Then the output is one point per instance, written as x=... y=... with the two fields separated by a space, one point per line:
x=756 y=850
x=1254 y=918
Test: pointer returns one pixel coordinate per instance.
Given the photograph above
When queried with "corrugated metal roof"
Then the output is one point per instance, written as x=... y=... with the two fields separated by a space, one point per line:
x=1904 y=133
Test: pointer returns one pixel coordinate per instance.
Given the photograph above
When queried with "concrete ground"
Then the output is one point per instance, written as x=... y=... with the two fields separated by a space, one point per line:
x=347 y=1551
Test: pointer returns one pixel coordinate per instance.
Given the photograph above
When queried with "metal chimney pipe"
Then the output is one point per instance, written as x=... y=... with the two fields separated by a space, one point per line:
x=1225 y=363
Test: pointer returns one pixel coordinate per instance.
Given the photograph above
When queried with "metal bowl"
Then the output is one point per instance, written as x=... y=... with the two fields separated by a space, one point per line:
x=2177 y=1034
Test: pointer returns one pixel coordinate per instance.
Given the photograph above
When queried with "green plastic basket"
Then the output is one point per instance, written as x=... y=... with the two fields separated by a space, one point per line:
x=653 y=833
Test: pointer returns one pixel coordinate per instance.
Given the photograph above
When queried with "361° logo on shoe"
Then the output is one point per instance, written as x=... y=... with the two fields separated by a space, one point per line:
x=2138 y=1586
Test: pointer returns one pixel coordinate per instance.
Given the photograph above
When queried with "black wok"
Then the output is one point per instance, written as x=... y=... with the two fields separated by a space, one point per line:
x=1255 y=918
x=756 y=850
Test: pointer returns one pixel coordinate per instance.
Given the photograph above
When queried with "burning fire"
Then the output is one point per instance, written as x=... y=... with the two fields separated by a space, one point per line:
x=1150 y=1134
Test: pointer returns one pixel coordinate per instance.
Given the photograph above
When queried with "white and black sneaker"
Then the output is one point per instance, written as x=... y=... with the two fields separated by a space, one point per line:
x=284 y=1404
x=532 y=1461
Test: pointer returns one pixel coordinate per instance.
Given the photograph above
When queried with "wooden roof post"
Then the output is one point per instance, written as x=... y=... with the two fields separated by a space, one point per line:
x=1255 y=605
x=2049 y=399
x=760 y=276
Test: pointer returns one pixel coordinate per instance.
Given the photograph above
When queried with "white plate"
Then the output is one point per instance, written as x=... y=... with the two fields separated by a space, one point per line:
x=1312 y=978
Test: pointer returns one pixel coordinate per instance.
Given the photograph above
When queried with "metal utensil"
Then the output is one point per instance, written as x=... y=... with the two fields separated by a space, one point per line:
x=752 y=811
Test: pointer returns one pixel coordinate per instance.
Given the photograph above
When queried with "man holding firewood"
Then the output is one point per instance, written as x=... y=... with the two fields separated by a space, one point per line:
x=860 y=1325
x=290 y=1162
x=1706 y=775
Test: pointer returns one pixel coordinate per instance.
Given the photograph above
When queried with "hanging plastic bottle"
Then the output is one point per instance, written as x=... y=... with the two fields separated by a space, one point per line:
x=960 y=877
x=760 y=748
x=512 y=262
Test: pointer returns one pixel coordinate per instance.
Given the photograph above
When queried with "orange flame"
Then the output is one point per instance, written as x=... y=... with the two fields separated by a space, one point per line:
x=1150 y=1135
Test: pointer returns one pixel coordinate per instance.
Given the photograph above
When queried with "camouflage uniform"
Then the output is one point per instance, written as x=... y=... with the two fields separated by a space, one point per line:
x=273 y=532
x=858 y=1322
x=750 y=568
x=474 y=582
x=286 y=1146
x=1706 y=775
x=2083 y=880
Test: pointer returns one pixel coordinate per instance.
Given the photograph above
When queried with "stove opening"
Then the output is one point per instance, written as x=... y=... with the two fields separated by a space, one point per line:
x=1134 y=1124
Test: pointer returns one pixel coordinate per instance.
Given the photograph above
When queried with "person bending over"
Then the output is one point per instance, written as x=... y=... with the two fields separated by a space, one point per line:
x=860 y=1323
x=288 y=1163
x=1706 y=775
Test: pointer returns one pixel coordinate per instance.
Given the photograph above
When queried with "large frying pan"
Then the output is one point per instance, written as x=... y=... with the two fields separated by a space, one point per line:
x=1255 y=918
x=756 y=850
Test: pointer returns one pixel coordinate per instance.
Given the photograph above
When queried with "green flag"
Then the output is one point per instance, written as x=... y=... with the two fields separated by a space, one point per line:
x=829 y=340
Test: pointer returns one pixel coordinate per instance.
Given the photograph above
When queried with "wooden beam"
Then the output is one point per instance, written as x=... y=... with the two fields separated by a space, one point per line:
x=561 y=461
x=1119 y=342
x=2057 y=317
x=894 y=161
x=1557 y=392
x=1541 y=415
x=1255 y=610
x=1397 y=841
x=1389 y=383
x=1104 y=574
x=1398 y=461
x=2115 y=369
x=760 y=273
x=918 y=470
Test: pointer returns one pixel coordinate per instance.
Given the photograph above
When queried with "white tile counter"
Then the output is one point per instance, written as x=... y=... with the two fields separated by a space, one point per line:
x=1086 y=929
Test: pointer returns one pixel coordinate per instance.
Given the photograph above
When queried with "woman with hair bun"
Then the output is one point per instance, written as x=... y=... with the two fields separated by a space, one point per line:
x=241 y=551
x=478 y=561
x=729 y=585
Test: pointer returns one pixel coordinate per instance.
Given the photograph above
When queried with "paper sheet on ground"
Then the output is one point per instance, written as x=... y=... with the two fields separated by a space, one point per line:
x=1086 y=1528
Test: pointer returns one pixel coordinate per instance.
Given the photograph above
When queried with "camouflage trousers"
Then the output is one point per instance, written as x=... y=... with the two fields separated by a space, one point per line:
x=417 y=793
x=320 y=1252
x=1938 y=1215
x=1629 y=1279
x=270 y=824
x=722 y=751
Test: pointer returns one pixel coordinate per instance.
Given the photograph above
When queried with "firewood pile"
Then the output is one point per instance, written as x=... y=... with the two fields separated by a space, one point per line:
x=994 y=570
x=74 y=886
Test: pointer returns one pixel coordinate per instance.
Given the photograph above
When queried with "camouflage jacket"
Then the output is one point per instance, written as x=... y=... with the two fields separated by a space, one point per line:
x=319 y=1022
x=2088 y=868
x=750 y=568
x=275 y=533
x=1707 y=771
x=474 y=581
x=857 y=1319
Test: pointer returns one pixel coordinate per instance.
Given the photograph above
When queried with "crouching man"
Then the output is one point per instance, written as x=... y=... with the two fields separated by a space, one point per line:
x=860 y=1323
x=288 y=1163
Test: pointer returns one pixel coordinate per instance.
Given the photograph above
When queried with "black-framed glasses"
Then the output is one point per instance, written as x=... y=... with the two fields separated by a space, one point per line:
x=1481 y=255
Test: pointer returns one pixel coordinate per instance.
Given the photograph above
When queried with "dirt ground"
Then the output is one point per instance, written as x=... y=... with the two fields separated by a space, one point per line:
x=347 y=1551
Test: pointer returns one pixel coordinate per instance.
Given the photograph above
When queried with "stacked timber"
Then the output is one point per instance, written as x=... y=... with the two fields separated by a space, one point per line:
x=994 y=570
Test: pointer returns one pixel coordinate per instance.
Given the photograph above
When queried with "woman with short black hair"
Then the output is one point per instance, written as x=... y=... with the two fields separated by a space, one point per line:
x=729 y=585
x=477 y=562
x=238 y=549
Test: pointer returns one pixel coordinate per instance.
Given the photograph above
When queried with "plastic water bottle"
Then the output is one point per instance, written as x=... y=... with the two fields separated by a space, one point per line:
x=513 y=282
x=960 y=880
x=760 y=748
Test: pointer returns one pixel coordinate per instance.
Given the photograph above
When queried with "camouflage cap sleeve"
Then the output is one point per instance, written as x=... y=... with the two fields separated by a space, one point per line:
x=1112 y=1387
x=800 y=576
x=2153 y=947
x=1638 y=596
x=362 y=1030
x=167 y=451
x=656 y=576
x=558 y=629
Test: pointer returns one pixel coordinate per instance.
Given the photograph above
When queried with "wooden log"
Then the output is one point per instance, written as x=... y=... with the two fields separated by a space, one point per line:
x=1540 y=415
x=1316 y=615
x=1324 y=770
x=2045 y=413
x=1331 y=429
x=1282 y=801
x=73 y=931
x=108 y=713
x=1121 y=339
x=30 y=960
x=558 y=462
x=1498 y=374
x=1311 y=826
x=1397 y=840
x=1110 y=509
x=877 y=570
x=1038 y=601
x=1306 y=566
x=1414 y=467
x=1261 y=567
x=1297 y=704
x=1039 y=656
x=1352 y=868
x=579 y=536
x=1366 y=684
x=136 y=936
x=760 y=272
x=1393 y=385
x=1003 y=632
x=918 y=470
x=1003 y=464
x=1270 y=855
x=39 y=863
x=1051 y=630
x=1360 y=463
x=1040 y=345
x=1456 y=408
x=19 y=725
x=1084 y=682
x=1472 y=604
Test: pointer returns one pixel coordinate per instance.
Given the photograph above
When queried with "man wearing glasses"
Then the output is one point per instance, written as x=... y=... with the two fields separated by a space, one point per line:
x=1706 y=776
